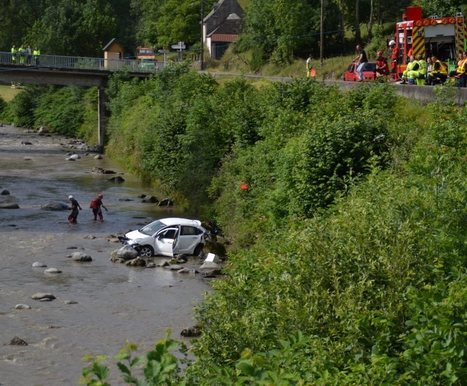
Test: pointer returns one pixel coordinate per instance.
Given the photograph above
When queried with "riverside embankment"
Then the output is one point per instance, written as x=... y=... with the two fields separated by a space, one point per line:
x=99 y=304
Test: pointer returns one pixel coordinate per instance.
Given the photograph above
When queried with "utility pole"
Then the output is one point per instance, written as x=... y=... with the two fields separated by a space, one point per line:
x=321 y=39
x=201 y=63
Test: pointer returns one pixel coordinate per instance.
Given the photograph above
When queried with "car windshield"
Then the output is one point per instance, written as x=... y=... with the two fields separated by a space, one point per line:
x=152 y=228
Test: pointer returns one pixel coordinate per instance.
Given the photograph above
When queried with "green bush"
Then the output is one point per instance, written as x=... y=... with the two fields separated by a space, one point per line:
x=61 y=110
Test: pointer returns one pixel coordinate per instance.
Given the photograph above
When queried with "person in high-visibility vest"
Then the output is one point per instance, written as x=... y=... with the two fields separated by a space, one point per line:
x=21 y=54
x=13 y=53
x=460 y=73
x=439 y=73
x=36 y=53
x=418 y=73
x=411 y=66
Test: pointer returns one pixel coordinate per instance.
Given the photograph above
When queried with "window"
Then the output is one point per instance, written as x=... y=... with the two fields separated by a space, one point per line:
x=190 y=231
x=168 y=234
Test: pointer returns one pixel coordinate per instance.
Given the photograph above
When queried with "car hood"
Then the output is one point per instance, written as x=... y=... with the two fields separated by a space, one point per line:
x=134 y=235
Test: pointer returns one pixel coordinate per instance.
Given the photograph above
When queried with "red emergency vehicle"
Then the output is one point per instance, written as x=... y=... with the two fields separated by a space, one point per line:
x=443 y=37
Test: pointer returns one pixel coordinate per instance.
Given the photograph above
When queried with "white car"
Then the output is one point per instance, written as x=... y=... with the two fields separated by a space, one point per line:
x=168 y=237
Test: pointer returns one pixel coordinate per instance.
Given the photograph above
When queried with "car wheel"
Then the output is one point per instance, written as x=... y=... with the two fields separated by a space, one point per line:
x=198 y=249
x=146 y=251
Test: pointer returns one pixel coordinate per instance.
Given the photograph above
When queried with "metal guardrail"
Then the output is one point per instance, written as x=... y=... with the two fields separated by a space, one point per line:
x=78 y=63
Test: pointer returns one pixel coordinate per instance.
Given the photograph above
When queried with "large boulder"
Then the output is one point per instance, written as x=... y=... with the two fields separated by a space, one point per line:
x=8 y=202
x=123 y=254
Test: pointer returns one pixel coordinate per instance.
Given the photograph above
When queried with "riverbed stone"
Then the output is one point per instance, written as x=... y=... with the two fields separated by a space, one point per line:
x=166 y=202
x=124 y=253
x=43 y=296
x=73 y=157
x=22 y=306
x=81 y=257
x=191 y=332
x=150 y=200
x=4 y=192
x=8 y=202
x=38 y=264
x=70 y=302
x=16 y=341
x=52 y=270
x=117 y=179
x=138 y=262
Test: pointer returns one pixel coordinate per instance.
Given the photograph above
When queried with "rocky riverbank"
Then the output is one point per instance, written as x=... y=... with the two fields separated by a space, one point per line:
x=60 y=295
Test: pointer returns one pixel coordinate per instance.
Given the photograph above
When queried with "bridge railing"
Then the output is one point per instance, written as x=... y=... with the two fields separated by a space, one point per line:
x=76 y=62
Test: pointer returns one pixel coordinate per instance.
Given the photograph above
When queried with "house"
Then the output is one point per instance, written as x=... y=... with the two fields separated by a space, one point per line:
x=222 y=26
x=112 y=51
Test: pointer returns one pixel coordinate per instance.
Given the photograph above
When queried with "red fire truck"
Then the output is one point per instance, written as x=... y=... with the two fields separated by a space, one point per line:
x=443 y=37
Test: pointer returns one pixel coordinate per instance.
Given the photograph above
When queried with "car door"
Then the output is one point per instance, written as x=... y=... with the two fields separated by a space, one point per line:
x=165 y=241
x=188 y=238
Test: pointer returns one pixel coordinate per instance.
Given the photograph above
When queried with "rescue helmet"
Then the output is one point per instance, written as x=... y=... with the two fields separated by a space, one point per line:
x=70 y=197
x=100 y=195
x=391 y=43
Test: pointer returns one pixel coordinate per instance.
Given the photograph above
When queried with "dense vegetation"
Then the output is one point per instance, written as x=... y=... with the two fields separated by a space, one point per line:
x=348 y=255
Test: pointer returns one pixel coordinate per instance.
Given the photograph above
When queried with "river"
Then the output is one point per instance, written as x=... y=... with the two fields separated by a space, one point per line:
x=99 y=304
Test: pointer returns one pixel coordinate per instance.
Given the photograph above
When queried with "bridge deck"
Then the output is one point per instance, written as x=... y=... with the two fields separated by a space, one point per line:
x=76 y=63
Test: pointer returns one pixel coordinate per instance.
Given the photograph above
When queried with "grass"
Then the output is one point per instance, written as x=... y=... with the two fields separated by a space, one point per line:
x=7 y=93
x=332 y=68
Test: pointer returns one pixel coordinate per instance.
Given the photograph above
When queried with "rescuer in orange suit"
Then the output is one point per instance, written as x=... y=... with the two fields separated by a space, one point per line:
x=382 y=68
x=394 y=57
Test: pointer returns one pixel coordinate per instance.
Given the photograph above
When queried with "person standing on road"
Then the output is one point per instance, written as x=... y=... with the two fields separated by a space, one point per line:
x=360 y=61
x=75 y=208
x=394 y=58
x=96 y=205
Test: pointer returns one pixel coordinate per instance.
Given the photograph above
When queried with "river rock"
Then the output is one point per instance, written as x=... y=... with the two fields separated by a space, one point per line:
x=42 y=130
x=81 y=257
x=22 y=307
x=70 y=302
x=191 y=332
x=5 y=192
x=8 y=202
x=166 y=202
x=38 y=264
x=18 y=342
x=73 y=157
x=124 y=253
x=150 y=200
x=96 y=170
x=117 y=179
x=185 y=271
x=55 y=206
x=174 y=267
x=138 y=262
x=52 y=270
x=43 y=296
x=98 y=156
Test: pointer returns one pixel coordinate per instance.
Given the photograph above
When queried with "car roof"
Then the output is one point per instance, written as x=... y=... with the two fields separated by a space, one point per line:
x=179 y=221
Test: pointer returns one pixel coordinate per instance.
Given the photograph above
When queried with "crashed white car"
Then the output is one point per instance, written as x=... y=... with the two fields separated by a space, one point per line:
x=168 y=237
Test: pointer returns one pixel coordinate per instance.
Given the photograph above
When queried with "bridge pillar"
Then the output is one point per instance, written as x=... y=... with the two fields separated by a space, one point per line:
x=101 y=118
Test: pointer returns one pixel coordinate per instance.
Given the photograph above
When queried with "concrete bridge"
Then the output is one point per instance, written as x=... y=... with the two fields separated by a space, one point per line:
x=68 y=71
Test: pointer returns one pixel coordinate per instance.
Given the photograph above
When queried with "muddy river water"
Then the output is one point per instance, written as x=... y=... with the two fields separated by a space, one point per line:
x=99 y=304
